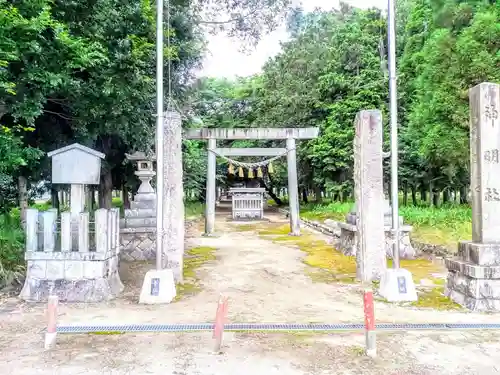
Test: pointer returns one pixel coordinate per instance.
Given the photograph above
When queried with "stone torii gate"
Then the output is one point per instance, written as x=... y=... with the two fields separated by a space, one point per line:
x=290 y=134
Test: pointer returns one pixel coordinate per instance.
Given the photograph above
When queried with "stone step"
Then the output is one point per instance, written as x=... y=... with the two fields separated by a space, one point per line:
x=135 y=205
x=141 y=212
x=138 y=222
x=481 y=254
x=472 y=270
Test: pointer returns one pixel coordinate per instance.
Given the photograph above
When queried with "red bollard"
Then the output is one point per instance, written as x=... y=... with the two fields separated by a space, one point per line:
x=50 y=335
x=220 y=319
x=371 y=339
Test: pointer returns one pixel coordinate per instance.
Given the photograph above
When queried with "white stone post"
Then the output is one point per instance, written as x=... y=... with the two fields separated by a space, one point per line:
x=173 y=198
x=368 y=189
x=66 y=238
x=31 y=229
x=101 y=230
x=76 y=207
x=49 y=230
x=83 y=232
x=210 y=193
x=293 y=193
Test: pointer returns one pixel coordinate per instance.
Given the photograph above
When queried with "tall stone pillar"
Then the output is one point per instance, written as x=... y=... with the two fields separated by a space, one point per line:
x=293 y=193
x=474 y=277
x=173 y=196
x=369 y=196
x=210 y=193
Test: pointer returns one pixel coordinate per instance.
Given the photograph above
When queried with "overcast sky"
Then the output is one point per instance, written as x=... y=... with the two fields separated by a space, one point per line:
x=224 y=60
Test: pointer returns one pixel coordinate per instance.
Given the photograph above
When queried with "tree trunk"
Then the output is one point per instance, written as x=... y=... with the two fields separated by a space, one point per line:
x=431 y=193
x=405 y=193
x=23 y=196
x=423 y=194
x=413 y=195
x=435 y=198
x=317 y=194
x=54 y=197
x=105 y=190
x=463 y=194
x=304 y=196
x=446 y=196
x=269 y=191
x=126 y=198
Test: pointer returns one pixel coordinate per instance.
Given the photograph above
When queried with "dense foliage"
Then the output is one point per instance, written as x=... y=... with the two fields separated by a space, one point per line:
x=335 y=65
x=84 y=71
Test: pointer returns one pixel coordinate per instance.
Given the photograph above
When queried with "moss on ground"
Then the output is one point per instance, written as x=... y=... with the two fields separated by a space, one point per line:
x=329 y=265
x=247 y=227
x=197 y=257
x=435 y=298
x=421 y=269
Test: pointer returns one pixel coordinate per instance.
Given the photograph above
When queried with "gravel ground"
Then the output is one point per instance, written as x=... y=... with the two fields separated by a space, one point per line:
x=266 y=282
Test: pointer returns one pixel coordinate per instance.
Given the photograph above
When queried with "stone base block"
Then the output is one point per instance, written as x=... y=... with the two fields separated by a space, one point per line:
x=138 y=222
x=82 y=290
x=472 y=287
x=472 y=270
x=158 y=287
x=72 y=279
x=141 y=212
x=138 y=245
x=480 y=254
x=135 y=205
x=471 y=303
x=396 y=285
x=349 y=241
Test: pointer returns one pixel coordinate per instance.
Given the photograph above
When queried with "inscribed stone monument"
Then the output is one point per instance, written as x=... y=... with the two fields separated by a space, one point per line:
x=173 y=196
x=474 y=277
x=369 y=196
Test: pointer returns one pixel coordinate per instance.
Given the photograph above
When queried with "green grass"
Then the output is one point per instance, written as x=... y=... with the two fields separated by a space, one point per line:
x=11 y=249
x=443 y=226
x=193 y=209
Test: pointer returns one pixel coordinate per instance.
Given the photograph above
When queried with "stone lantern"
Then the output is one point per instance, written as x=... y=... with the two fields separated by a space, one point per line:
x=138 y=228
x=145 y=172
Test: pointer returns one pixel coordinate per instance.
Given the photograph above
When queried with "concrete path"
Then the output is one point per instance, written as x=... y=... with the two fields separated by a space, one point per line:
x=266 y=282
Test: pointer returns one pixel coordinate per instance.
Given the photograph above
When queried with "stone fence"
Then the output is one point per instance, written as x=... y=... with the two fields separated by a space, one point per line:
x=72 y=257
x=332 y=228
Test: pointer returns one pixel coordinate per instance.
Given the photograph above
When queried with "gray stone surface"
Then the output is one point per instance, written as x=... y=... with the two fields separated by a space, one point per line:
x=173 y=196
x=474 y=276
x=138 y=222
x=473 y=270
x=78 y=290
x=138 y=245
x=76 y=164
x=481 y=254
x=351 y=217
x=473 y=304
x=349 y=234
x=369 y=195
x=293 y=190
x=474 y=287
x=210 y=190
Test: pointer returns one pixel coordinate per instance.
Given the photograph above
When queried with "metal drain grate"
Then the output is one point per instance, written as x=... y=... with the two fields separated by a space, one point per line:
x=273 y=327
